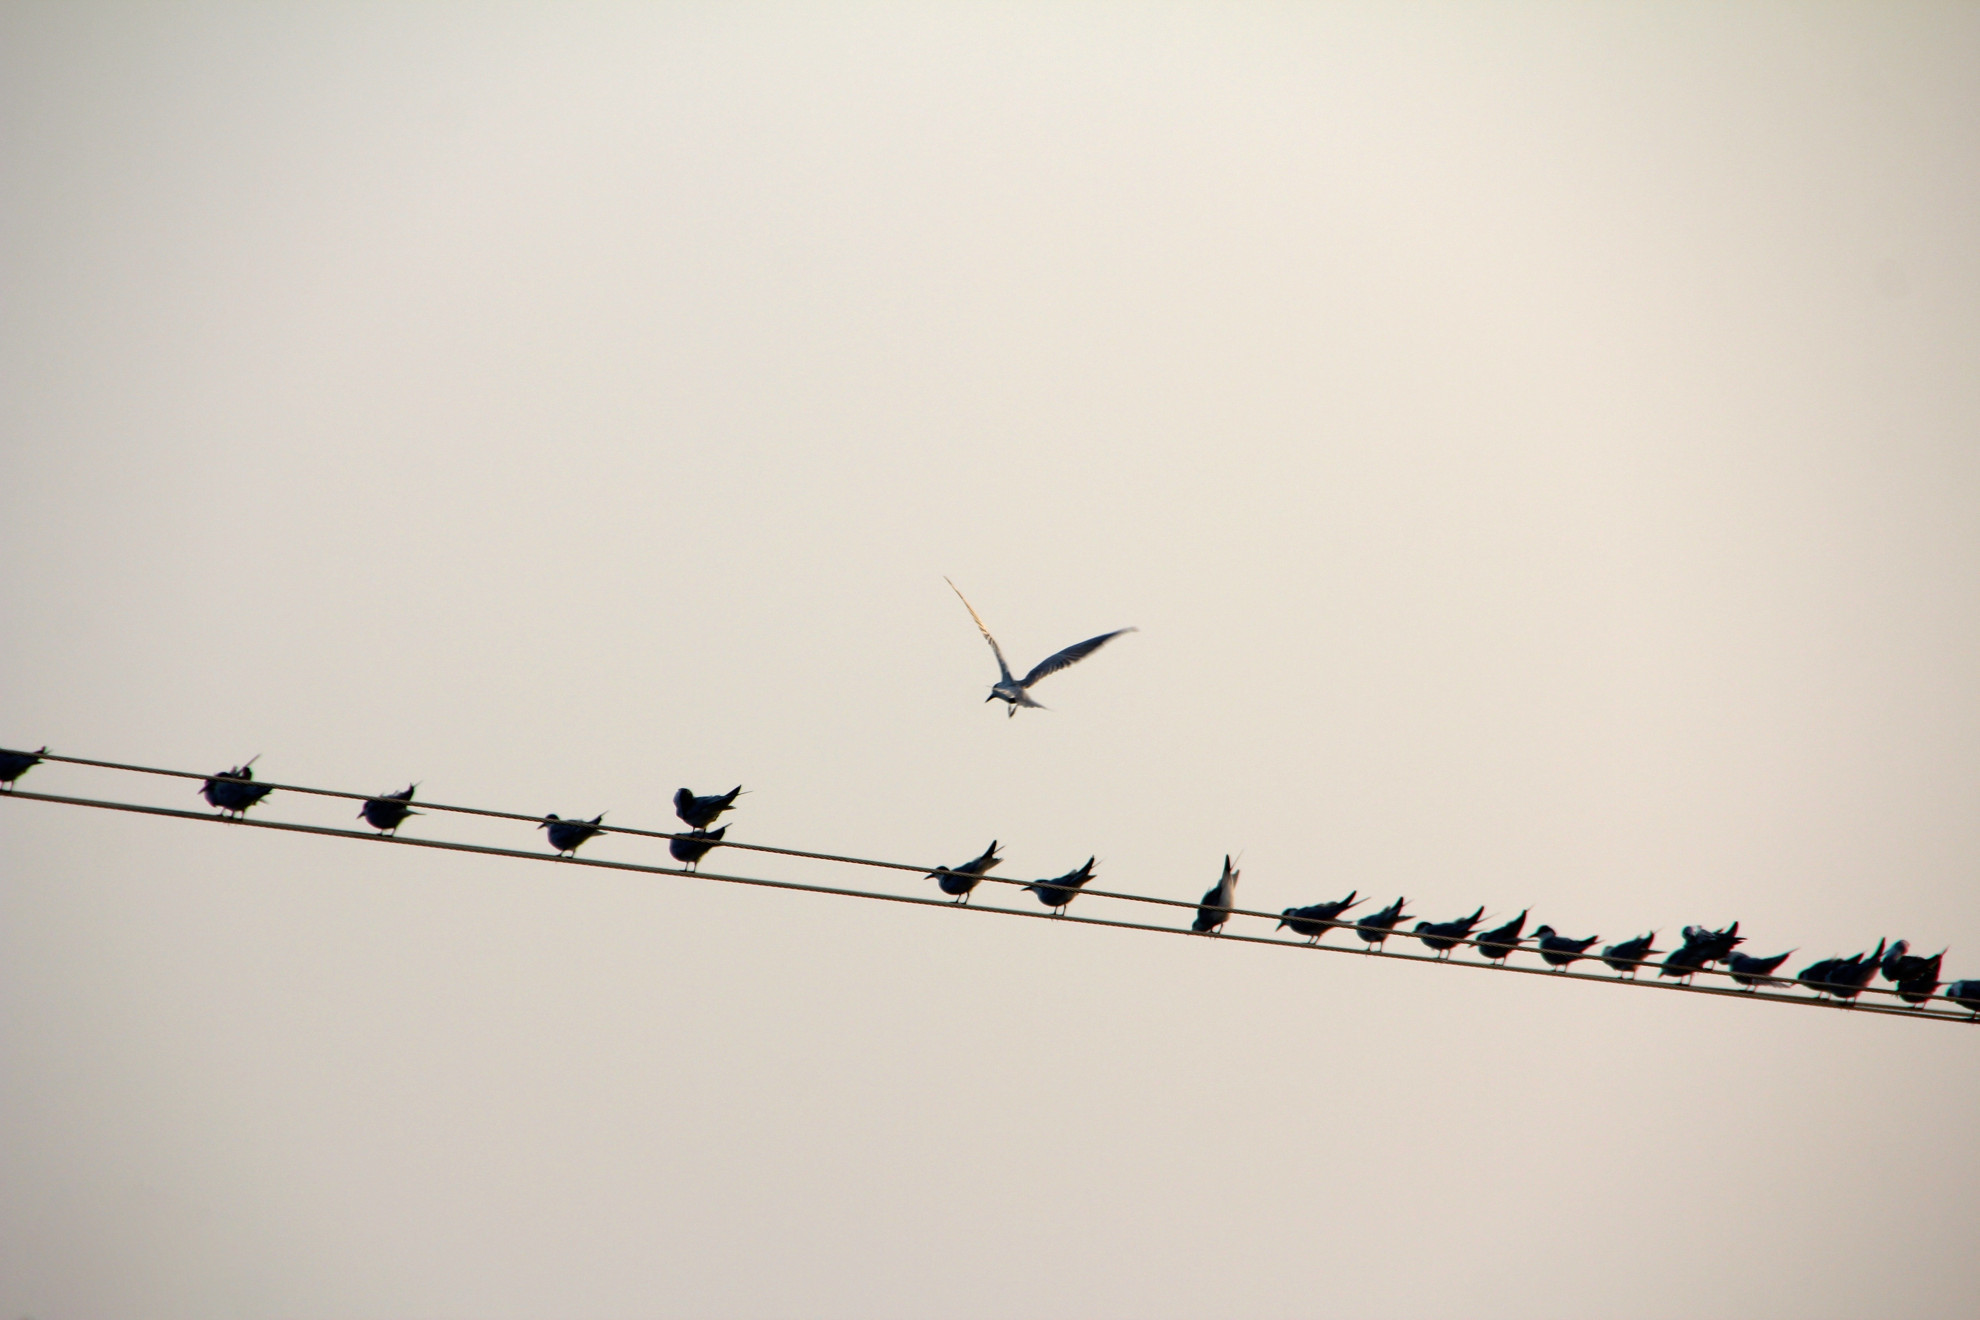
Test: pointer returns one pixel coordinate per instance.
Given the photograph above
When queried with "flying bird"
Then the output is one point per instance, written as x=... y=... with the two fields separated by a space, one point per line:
x=1056 y=894
x=959 y=880
x=232 y=797
x=566 y=835
x=1559 y=950
x=689 y=849
x=1627 y=956
x=1443 y=936
x=1377 y=926
x=1753 y=971
x=1215 y=908
x=1017 y=692
x=700 y=812
x=1316 y=919
x=386 y=812
x=1499 y=943
x=15 y=764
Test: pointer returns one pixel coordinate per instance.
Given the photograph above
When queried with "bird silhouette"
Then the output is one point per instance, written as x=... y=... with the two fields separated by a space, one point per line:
x=1753 y=971
x=1626 y=957
x=230 y=795
x=1377 y=926
x=388 y=811
x=566 y=835
x=15 y=764
x=1816 y=975
x=1559 y=950
x=1215 y=907
x=1056 y=894
x=1443 y=936
x=959 y=880
x=1017 y=692
x=1848 y=977
x=689 y=849
x=1499 y=943
x=1966 y=994
x=1916 y=977
x=1702 y=946
x=1315 y=919
x=700 y=812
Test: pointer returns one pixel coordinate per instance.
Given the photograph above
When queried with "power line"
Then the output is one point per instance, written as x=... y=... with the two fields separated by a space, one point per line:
x=1765 y=996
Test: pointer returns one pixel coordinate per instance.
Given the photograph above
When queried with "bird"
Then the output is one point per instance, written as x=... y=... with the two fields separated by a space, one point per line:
x=1701 y=946
x=1499 y=943
x=1215 y=908
x=1056 y=894
x=1966 y=994
x=388 y=811
x=700 y=812
x=1816 y=975
x=1443 y=936
x=1848 y=977
x=566 y=835
x=231 y=796
x=1916 y=977
x=1753 y=971
x=1377 y=926
x=1017 y=692
x=689 y=849
x=1559 y=950
x=1316 y=919
x=959 y=880
x=15 y=764
x=1629 y=955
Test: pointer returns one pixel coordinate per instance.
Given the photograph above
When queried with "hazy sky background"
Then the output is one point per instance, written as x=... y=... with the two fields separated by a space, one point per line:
x=1538 y=447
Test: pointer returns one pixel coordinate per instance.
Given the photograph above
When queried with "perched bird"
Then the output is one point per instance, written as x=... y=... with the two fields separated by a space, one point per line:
x=1017 y=692
x=1848 y=977
x=1315 y=919
x=1753 y=971
x=1377 y=926
x=1626 y=957
x=959 y=880
x=1559 y=950
x=1702 y=946
x=231 y=797
x=1056 y=894
x=689 y=849
x=566 y=835
x=1816 y=975
x=700 y=812
x=388 y=811
x=15 y=764
x=1966 y=994
x=1500 y=943
x=1443 y=936
x=1916 y=977
x=1215 y=908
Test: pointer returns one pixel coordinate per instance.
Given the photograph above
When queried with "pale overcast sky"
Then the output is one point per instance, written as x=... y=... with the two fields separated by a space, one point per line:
x=1537 y=444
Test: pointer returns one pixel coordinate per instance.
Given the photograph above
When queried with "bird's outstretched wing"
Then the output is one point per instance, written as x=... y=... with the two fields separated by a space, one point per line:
x=994 y=648
x=1072 y=655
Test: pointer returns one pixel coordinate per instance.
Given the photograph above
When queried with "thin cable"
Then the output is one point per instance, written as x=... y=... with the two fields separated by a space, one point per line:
x=1472 y=941
x=483 y=850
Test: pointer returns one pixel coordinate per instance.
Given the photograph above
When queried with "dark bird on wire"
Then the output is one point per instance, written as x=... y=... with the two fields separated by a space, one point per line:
x=233 y=798
x=566 y=835
x=1017 y=692
x=1816 y=975
x=700 y=812
x=1501 y=942
x=1848 y=977
x=1378 y=926
x=1702 y=946
x=1056 y=894
x=1313 y=920
x=1215 y=907
x=1966 y=994
x=1916 y=977
x=15 y=764
x=1626 y=957
x=689 y=849
x=388 y=811
x=1753 y=971
x=959 y=880
x=1559 y=950
x=1443 y=936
